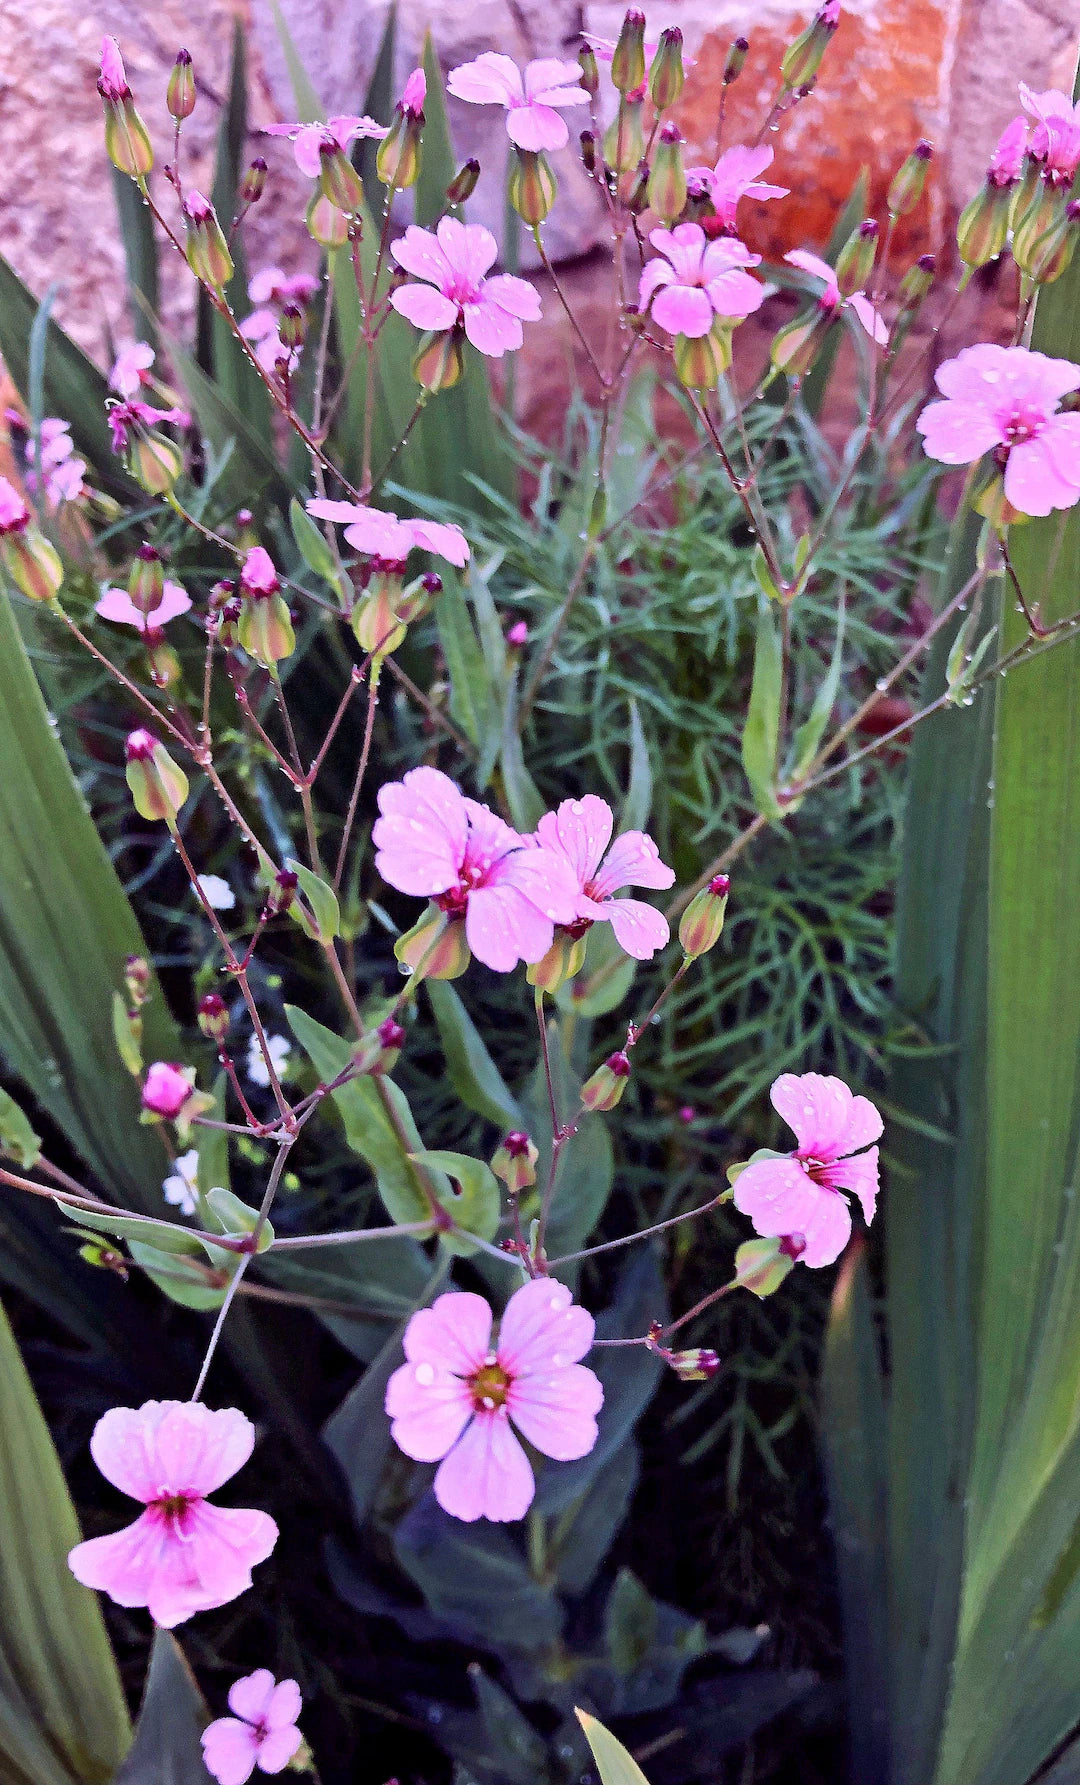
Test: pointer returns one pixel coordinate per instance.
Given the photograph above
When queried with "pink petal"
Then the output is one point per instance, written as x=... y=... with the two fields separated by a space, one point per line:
x=117 y=605
x=639 y=930
x=487 y=1474
x=633 y=860
x=420 y=838
x=230 y=1750
x=470 y=249
x=424 y=307
x=860 y=1176
x=1061 y=441
x=224 y=1544
x=278 y=1748
x=491 y=79
x=557 y=1412
x=325 y=510
x=827 y=1231
x=285 y=1705
x=454 y=1333
x=503 y=927
x=976 y=375
x=655 y=273
x=491 y=330
x=262 y=286
x=579 y=830
x=827 y=1119
x=957 y=432
x=250 y=1697
x=553 y=82
x=380 y=533
x=778 y=1195
x=537 y=127
x=542 y=1329
x=121 y=1564
x=724 y=255
x=489 y=836
x=545 y=879
x=683 y=310
x=198 y=1448
x=1032 y=481
x=735 y=293
x=813 y=263
x=420 y=253
x=306 y=149
x=872 y=321
x=428 y=1407
x=443 y=538
x=741 y=164
x=174 y=602
x=516 y=296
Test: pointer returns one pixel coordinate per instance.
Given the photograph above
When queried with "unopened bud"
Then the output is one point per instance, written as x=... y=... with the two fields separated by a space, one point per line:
x=167 y=1088
x=762 y=1265
x=378 y=626
x=736 y=60
x=532 y=186
x=156 y=461
x=1047 y=258
x=435 y=947
x=1028 y=188
x=604 y=1089
x=163 y=662
x=702 y=923
x=634 y=190
x=855 y=261
x=588 y=151
x=339 y=182
x=917 y=281
x=137 y=979
x=180 y=95
x=624 y=141
x=666 y=75
x=667 y=180
x=563 y=960
x=628 y=56
x=798 y=343
x=463 y=184
x=326 y=224
x=700 y=361
x=397 y=160
x=31 y=561
x=292 y=327
x=438 y=364
x=697 y=1365
x=1045 y=217
x=282 y=893
x=984 y=225
x=212 y=1017
x=515 y=1162
x=127 y=140
x=804 y=56
x=253 y=184
x=266 y=629
x=158 y=785
x=146 y=584
x=909 y=180
x=590 y=73
x=517 y=635
x=207 y=250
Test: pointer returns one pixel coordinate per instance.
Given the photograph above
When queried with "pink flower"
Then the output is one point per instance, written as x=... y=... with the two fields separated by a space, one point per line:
x=735 y=176
x=112 y=81
x=307 y=139
x=829 y=14
x=830 y=299
x=117 y=605
x=800 y=1195
x=697 y=280
x=182 y=1555
x=124 y=418
x=127 y=376
x=260 y=327
x=166 y=1088
x=382 y=535
x=532 y=122
x=262 y=1733
x=580 y=831
x=257 y=573
x=434 y=843
x=62 y=471
x=14 y=514
x=1007 y=161
x=273 y=286
x=1005 y=400
x=414 y=93
x=457 y=1394
x=453 y=261
x=1055 y=138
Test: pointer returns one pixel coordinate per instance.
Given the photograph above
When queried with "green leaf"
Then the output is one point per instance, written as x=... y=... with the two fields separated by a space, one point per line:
x=311 y=545
x=470 y=1068
x=165 y=1236
x=476 y=1579
x=322 y=899
x=472 y=688
x=236 y=1217
x=62 y=1714
x=638 y=802
x=810 y=733
x=761 y=732
x=378 y=104
x=630 y=1622
x=179 y=1274
x=437 y=163
x=126 y=1035
x=167 y=1749
x=137 y=231
x=17 y=1137
x=613 y=1763
x=474 y=1205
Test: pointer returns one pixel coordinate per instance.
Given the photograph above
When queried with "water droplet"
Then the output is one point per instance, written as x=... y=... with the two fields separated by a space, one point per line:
x=881 y=684
x=425 y=1374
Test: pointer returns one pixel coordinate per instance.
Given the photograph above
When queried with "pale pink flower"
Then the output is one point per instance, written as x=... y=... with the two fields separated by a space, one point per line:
x=260 y=328
x=452 y=261
x=129 y=368
x=262 y=1732
x=830 y=299
x=61 y=470
x=800 y=1195
x=273 y=286
x=1006 y=400
x=1007 y=161
x=14 y=514
x=1055 y=138
x=117 y=605
x=735 y=176
x=166 y=1087
x=580 y=831
x=694 y=280
x=530 y=97
x=382 y=535
x=112 y=81
x=124 y=418
x=182 y=1555
x=457 y=1394
x=434 y=843
x=337 y=133
x=257 y=573
x=414 y=93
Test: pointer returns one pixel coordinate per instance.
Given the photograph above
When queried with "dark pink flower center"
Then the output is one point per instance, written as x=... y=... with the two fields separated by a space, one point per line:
x=172 y=1507
x=489 y=1386
x=461 y=290
x=817 y=1169
x=1022 y=425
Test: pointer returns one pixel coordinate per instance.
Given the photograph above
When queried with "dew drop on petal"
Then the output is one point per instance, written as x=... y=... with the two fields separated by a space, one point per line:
x=425 y=1374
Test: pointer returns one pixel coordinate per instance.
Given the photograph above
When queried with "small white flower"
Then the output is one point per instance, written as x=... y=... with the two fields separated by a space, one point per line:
x=217 y=892
x=279 y=1049
x=179 y=1189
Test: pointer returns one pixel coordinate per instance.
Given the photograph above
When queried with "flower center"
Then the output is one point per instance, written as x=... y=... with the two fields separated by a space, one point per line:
x=461 y=291
x=173 y=1506
x=815 y=1169
x=489 y=1387
x=1023 y=424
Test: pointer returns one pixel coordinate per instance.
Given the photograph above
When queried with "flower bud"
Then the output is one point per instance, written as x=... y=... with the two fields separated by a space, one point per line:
x=736 y=60
x=634 y=189
x=376 y=623
x=325 y=223
x=463 y=184
x=158 y=786
x=628 y=56
x=909 y=180
x=127 y=141
x=146 y=584
x=282 y=893
x=292 y=328
x=984 y=225
x=212 y=1017
x=667 y=180
x=666 y=75
x=624 y=142
x=701 y=360
x=253 y=184
x=166 y=1089
x=590 y=73
x=515 y=1162
x=1047 y=257
x=762 y=1265
x=1028 y=188
x=435 y=947
x=156 y=462
x=588 y=151
x=207 y=250
x=697 y=1365
x=180 y=94
x=391 y=1036
x=532 y=186
x=163 y=662
x=32 y=563
x=564 y=960
x=397 y=160
x=803 y=56
x=339 y=182
x=1044 y=218
x=604 y=1089
x=137 y=979
x=702 y=923
x=917 y=281
x=266 y=629
x=517 y=636
x=798 y=343
x=438 y=364
x=855 y=261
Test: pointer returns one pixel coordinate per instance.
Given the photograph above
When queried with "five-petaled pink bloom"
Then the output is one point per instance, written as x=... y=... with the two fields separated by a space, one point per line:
x=166 y=1087
x=336 y=133
x=182 y=1555
x=580 y=830
x=452 y=262
x=1055 y=137
x=530 y=97
x=457 y=1394
x=800 y=1195
x=261 y=1732
x=735 y=176
x=130 y=368
x=434 y=843
x=117 y=605
x=831 y=300
x=1006 y=400
x=693 y=280
x=382 y=535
